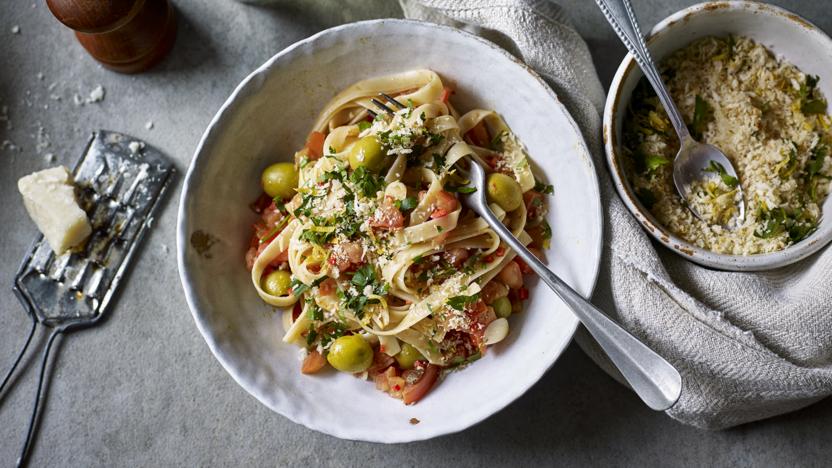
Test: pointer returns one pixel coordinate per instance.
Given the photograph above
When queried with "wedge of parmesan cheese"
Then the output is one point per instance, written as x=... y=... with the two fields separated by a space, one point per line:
x=49 y=197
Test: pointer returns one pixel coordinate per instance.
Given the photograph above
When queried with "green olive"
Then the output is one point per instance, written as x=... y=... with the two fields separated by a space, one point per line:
x=367 y=152
x=408 y=356
x=277 y=283
x=504 y=191
x=350 y=354
x=502 y=307
x=280 y=180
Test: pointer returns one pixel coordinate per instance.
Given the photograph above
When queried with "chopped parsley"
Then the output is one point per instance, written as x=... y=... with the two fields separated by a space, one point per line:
x=702 y=116
x=299 y=287
x=545 y=189
x=459 y=302
x=460 y=189
x=648 y=163
x=796 y=224
x=438 y=163
x=408 y=203
x=319 y=237
x=315 y=313
x=810 y=104
x=368 y=183
x=718 y=169
x=790 y=164
x=364 y=125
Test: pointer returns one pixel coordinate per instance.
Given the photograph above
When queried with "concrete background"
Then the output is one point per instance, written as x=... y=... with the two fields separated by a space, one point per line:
x=143 y=388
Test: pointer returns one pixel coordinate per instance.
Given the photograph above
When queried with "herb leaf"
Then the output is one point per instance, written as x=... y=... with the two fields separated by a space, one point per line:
x=299 y=287
x=366 y=181
x=408 y=203
x=717 y=168
x=459 y=302
x=702 y=115
x=545 y=189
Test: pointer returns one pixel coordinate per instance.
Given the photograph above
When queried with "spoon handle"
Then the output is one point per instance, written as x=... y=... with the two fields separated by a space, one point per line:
x=620 y=15
x=655 y=381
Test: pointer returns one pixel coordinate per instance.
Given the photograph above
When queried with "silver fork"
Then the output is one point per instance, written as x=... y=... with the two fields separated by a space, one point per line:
x=655 y=381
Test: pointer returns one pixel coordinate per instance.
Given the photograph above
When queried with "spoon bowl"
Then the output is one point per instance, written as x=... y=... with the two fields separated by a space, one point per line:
x=693 y=162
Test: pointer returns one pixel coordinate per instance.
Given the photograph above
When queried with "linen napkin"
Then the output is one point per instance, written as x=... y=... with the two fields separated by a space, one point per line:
x=748 y=345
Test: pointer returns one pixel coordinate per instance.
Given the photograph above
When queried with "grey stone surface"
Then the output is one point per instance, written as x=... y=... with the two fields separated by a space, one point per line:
x=143 y=388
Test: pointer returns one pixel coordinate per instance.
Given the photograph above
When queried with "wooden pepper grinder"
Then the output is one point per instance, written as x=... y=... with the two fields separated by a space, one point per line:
x=127 y=36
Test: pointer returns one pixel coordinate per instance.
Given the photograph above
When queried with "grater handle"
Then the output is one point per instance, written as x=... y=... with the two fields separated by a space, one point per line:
x=19 y=355
x=35 y=418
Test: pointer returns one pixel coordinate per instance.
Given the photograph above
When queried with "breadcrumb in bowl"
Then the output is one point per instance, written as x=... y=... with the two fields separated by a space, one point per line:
x=752 y=80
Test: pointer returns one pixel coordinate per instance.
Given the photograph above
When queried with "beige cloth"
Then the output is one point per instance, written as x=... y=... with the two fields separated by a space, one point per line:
x=748 y=345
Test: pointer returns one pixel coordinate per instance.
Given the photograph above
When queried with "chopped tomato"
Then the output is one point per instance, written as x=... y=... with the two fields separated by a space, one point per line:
x=346 y=255
x=313 y=362
x=251 y=256
x=479 y=136
x=500 y=251
x=315 y=145
x=522 y=294
x=416 y=391
x=524 y=267
x=383 y=379
x=327 y=288
x=535 y=207
x=446 y=94
x=296 y=310
x=271 y=215
x=445 y=204
x=492 y=161
x=381 y=361
x=387 y=216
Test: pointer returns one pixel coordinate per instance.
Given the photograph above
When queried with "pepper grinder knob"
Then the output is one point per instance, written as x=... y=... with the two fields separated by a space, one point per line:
x=127 y=36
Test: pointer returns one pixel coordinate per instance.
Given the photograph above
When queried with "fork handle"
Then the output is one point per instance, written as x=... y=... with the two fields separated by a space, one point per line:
x=622 y=18
x=655 y=381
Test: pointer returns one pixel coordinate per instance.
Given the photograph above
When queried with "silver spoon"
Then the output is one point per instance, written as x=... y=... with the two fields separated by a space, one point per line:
x=694 y=159
x=655 y=381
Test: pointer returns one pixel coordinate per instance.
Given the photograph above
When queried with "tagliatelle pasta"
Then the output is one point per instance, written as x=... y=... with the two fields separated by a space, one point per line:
x=364 y=243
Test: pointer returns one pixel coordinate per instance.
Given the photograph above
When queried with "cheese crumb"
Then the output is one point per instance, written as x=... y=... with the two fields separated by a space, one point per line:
x=96 y=95
x=136 y=147
x=149 y=125
x=15 y=29
x=49 y=197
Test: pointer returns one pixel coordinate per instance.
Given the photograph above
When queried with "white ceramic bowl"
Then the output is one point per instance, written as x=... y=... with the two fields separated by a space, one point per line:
x=789 y=37
x=267 y=118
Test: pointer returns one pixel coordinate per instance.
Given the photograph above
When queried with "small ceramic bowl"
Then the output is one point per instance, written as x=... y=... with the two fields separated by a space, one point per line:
x=789 y=37
x=267 y=118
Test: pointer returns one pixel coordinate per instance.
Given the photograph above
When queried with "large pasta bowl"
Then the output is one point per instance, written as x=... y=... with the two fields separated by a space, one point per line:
x=267 y=118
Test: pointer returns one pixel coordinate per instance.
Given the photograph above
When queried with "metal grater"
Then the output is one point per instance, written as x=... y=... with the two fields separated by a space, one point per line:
x=120 y=183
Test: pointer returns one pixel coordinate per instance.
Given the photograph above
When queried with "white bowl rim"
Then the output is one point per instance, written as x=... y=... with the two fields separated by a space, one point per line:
x=759 y=262
x=183 y=221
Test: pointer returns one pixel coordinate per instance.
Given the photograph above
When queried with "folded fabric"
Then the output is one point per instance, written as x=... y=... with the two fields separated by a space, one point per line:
x=748 y=345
